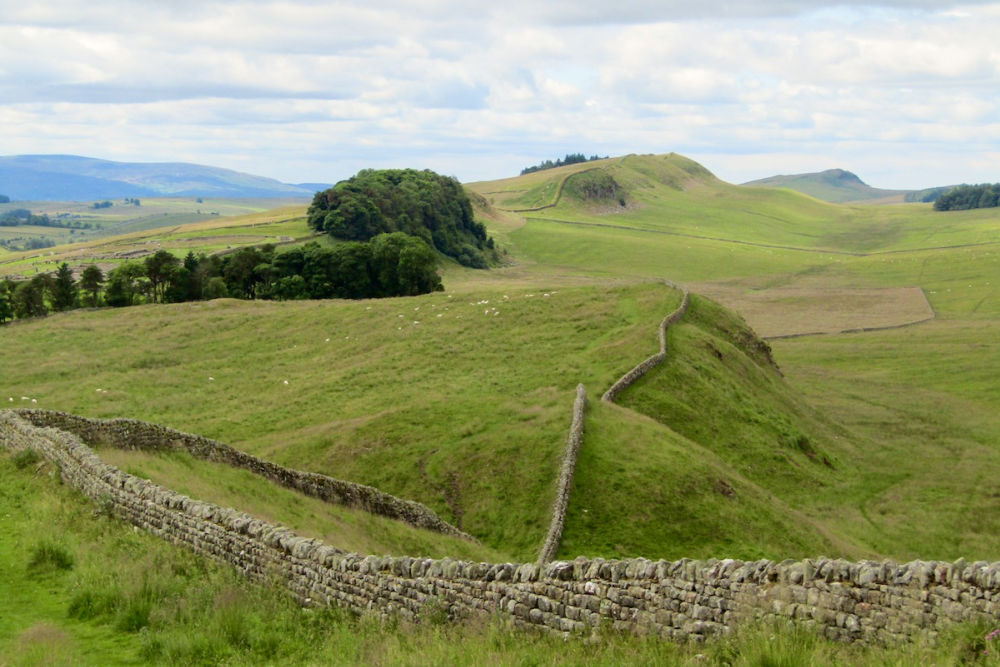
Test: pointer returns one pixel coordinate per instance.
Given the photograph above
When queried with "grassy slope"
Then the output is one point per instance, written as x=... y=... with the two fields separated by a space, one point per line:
x=161 y=605
x=348 y=529
x=891 y=423
x=902 y=417
x=435 y=398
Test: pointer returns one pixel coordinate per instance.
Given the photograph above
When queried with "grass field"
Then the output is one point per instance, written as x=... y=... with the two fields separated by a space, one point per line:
x=875 y=444
x=164 y=223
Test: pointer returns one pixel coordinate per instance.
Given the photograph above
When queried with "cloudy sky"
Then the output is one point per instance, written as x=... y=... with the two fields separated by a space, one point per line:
x=906 y=93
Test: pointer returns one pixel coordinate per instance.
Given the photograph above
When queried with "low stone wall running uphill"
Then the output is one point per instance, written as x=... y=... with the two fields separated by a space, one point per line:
x=134 y=434
x=566 y=472
x=630 y=378
x=867 y=601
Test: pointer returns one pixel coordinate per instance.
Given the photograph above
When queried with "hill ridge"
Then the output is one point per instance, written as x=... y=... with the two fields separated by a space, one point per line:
x=64 y=177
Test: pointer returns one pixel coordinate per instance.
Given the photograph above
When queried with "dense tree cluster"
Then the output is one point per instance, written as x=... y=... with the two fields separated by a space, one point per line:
x=390 y=265
x=571 y=158
x=963 y=197
x=4 y=199
x=422 y=204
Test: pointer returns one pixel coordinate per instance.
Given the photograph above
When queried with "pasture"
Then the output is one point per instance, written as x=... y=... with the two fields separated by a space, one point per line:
x=860 y=444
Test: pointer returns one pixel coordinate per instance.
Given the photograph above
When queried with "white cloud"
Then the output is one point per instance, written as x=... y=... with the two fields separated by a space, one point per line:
x=315 y=90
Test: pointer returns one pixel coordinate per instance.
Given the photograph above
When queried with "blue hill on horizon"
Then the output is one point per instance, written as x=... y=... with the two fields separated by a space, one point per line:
x=78 y=178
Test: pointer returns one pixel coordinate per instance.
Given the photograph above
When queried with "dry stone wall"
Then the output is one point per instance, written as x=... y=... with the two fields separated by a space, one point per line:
x=868 y=601
x=630 y=378
x=566 y=472
x=134 y=434
x=568 y=468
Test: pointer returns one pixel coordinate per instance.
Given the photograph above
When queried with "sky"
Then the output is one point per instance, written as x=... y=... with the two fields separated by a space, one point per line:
x=905 y=93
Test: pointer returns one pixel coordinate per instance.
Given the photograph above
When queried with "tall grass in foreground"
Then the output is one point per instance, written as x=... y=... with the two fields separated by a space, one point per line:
x=161 y=604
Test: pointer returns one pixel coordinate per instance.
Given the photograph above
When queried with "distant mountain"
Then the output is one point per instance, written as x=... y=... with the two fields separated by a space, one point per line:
x=832 y=185
x=75 y=178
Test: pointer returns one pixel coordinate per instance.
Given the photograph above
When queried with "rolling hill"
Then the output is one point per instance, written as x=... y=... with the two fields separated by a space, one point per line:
x=833 y=185
x=75 y=178
x=827 y=439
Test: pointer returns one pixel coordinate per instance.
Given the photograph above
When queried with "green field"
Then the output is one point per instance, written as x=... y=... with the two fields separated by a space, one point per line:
x=878 y=444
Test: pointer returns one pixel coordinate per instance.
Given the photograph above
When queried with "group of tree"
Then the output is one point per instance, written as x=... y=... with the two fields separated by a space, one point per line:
x=27 y=243
x=41 y=294
x=395 y=264
x=4 y=199
x=571 y=158
x=964 y=197
x=421 y=204
x=21 y=216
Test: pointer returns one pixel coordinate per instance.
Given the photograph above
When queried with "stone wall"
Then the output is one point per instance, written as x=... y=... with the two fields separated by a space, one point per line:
x=134 y=434
x=629 y=378
x=566 y=472
x=867 y=601
x=568 y=468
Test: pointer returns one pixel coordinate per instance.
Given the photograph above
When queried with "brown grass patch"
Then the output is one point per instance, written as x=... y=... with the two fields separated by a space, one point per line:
x=792 y=311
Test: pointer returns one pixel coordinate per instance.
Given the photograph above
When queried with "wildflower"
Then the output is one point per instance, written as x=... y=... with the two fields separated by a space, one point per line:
x=210 y=379
x=285 y=381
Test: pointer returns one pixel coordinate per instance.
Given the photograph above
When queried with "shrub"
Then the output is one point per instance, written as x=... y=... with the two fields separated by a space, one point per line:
x=49 y=557
x=25 y=458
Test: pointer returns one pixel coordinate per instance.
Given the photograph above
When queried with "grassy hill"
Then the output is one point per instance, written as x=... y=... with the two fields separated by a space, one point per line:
x=833 y=185
x=866 y=444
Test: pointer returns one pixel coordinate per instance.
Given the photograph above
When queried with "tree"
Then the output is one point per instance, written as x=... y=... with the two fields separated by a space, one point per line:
x=124 y=285
x=404 y=265
x=90 y=282
x=6 y=309
x=63 y=290
x=29 y=298
x=159 y=269
x=216 y=288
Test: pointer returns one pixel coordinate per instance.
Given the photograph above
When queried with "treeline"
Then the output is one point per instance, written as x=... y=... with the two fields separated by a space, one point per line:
x=964 y=197
x=390 y=265
x=422 y=204
x=27 y=243
x=571 y=158
x=22 y=216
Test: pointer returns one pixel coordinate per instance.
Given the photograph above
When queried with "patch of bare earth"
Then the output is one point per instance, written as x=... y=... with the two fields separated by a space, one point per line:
x=796 y=311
